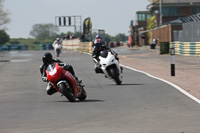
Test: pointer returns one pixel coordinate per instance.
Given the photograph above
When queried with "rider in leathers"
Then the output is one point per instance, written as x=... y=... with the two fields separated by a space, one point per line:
x=57 y=42
x=48 y=59
x=97 y=47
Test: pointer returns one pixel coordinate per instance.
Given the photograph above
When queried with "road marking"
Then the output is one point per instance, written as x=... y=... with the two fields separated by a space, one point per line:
x=163 y=80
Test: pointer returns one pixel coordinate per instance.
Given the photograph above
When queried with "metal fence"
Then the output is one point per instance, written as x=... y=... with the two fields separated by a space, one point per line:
x=190 y=33
x=12 y=47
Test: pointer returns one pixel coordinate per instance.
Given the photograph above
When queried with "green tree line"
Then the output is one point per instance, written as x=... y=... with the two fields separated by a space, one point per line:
x=42 y=33
x=47 y=33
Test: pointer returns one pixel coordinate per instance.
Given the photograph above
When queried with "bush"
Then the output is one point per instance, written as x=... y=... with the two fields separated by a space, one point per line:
x=14 y=42
x=36 y=42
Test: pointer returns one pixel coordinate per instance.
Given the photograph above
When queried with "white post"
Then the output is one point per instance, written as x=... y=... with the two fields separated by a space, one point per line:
x=172 y=62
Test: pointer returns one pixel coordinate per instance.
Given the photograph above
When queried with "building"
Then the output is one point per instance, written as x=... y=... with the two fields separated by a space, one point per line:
x=174 y=9
x=142 y=17
x=169 y=21
x=141 y=22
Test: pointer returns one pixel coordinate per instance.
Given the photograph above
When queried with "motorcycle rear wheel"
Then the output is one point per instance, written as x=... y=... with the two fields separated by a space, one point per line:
x=67 y=92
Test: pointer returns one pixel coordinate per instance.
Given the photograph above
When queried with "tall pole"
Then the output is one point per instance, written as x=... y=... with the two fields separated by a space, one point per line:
x=160 y=12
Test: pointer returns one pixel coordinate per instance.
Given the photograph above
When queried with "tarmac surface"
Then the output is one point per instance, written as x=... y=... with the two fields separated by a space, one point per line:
x=142 y=104
x=187 y=68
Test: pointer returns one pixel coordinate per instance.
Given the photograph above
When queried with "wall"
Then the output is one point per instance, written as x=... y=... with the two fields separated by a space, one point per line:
x=71 y=44
x=186 y=48
x=85 y=46
x=190 y=32
x=165 y=33
x=176 y=1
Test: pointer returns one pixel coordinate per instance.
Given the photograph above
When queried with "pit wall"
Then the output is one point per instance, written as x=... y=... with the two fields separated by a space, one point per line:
x=85 y=46
x=186 y=48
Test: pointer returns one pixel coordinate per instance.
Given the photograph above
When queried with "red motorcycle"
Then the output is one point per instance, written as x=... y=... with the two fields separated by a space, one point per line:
x=65 y=83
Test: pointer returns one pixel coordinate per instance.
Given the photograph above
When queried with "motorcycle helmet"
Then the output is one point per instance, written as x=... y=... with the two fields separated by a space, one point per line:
x=98 y=37
x=57 y=39
x=47 y=58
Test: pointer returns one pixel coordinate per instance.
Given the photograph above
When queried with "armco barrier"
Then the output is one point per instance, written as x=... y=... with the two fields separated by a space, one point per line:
x=12 y=47
x=46 y=46
x=186 y=48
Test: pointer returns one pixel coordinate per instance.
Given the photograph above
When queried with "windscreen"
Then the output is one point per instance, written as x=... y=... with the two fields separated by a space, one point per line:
x=104 y=53
x=50 y=67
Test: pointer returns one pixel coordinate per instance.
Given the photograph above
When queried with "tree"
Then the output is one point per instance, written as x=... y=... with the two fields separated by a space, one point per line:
x=44 y=31
x=4 y=37
x=120 y=37
x=108 y=38
x=4 y=19
x=150 y=25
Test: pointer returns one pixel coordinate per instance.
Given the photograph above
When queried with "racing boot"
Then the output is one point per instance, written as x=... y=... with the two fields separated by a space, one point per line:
x=50 y=89
x=97 y=68
x=121 y=69
x=79 y=81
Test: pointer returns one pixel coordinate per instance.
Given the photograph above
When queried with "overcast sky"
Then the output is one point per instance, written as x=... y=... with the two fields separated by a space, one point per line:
x=113 y=16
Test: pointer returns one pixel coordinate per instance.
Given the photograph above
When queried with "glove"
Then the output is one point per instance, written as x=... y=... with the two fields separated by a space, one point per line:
x=98 y=65
x=66 y=66
x=44 y=79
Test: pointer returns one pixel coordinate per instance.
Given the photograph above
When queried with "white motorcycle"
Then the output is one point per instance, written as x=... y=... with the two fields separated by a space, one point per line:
x=109 y=65
x=57 y=49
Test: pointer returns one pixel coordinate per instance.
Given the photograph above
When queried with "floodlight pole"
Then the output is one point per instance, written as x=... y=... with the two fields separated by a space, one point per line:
x=160 y=12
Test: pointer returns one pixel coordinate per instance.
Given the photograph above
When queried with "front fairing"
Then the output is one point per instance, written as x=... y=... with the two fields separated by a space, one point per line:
x=108 y=61
x=54 y=72
x=57 y=46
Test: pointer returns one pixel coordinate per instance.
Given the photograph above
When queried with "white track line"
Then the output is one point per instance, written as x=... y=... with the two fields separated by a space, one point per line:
x=172 y=84
x=163 y=80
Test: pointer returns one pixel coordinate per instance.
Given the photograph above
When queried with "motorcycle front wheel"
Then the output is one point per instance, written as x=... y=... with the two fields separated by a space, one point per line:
x=57 y=52
x=67 y=92
x=83 y=95
x=115 y=75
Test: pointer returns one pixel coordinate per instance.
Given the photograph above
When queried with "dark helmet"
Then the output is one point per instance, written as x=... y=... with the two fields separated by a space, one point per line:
x=47 y=58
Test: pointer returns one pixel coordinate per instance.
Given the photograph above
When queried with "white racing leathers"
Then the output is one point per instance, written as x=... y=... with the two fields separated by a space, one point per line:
x=57 y=48
x=109 y=65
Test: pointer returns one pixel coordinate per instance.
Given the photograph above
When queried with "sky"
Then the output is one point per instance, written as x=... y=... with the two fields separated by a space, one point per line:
x=113 y=16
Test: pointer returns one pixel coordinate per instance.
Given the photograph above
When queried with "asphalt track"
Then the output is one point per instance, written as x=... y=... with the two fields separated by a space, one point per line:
x=140 y=105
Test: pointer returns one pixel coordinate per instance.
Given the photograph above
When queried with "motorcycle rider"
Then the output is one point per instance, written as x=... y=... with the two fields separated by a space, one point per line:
x=47 y=59
x=98 y=46
x=57 y=42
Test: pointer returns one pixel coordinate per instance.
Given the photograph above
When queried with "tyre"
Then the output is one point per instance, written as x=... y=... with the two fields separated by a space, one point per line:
x=83 y=95
x=115 y=75
x=67 y=92
x=57 y=52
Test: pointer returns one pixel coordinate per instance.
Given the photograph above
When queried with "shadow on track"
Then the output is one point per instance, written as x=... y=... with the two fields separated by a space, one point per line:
x=126 y=84
x=85 y=101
